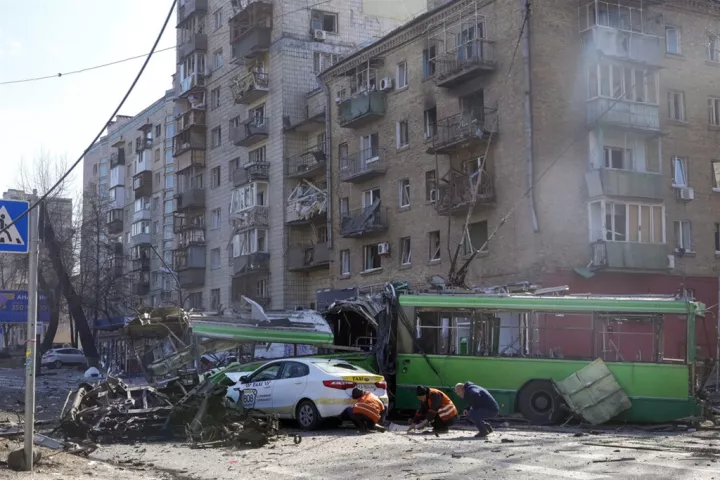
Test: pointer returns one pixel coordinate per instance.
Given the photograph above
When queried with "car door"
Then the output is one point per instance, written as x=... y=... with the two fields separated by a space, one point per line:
x=289 y=387
x=256 y=392
x=76 y=356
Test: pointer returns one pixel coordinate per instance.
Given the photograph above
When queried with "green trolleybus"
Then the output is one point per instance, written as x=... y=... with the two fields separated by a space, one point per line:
x=517 y=345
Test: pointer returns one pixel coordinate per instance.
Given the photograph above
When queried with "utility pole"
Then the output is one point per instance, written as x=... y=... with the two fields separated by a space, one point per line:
x=31 y=339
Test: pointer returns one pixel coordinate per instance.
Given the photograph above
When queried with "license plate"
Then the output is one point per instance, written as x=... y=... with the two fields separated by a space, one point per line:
x=366 y=387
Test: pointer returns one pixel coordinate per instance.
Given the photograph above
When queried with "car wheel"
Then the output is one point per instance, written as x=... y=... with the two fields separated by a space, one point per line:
x=57 y=364
x=540 y=403
x=307 y=415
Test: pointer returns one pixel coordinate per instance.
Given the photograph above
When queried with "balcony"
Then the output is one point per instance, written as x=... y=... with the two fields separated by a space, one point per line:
x=117 y=158
x=189 y=262
x=115 y=219
x=182 y=222
x=191 y=7
x=191 y=133
x=142 y=214
x=254 y=217
x=195 y=117
x=313 y=116
x=141 y=264
x=190 y=159
x=363 y=221
x=361 y=109
x=197 y=42
x=464 y=63
x=624 y=45
x=141 y=288
x=190 y=84
x=193 y=198
x=628 y=256
x=463 y=130
x=143 y=143
x=141 y=239
x=250 y=132
x=308 y=212
x=251 y=29
x=250 y=88
x=308 y=164
x=142 y=184
x=118 y=249
x=251 y=172
x=625 y=183
x=455 y=193
x=306 y=258
x=642 y=117
x=252 y=264
x=363 y=165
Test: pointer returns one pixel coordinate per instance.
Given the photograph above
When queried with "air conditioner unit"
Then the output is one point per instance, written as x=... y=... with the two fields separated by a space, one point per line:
x=383 y=248
x=686 y=193
x=671 y=262
x=386 y=84
x=319 y=35
x=433 y=195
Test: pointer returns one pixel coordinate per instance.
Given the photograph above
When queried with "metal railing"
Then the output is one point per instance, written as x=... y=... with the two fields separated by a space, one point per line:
x=458 y=192
x=307 y=161
x=243 y=87
x=464 y=126
x=362 y=221
x=361 y=163
x=475 y=53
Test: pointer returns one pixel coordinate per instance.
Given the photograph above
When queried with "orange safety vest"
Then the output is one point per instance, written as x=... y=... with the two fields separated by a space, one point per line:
x=447 y=408
x=370 y=406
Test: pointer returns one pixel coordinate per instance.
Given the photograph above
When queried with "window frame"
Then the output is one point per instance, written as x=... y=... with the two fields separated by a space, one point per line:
x=714 y=111
x=404 y=193
x=405 y=252
x=216 y=137
x=672 y=113
x=402 y=77
x=345 y=262
x=215 y=177
x=314 y=13
x=680 y=240
x=715 y=170
x=683 y=163
x=371 y=254
x=399 y=141
x=678 y=38
x=434 y=254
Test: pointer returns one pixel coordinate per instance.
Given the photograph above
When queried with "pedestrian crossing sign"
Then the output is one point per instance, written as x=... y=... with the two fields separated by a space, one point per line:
x=14 y=226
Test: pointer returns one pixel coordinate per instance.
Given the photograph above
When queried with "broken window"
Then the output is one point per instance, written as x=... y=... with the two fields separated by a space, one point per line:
x=248 y=196
x=676 y=105
x=345 y=262
x=434 y=243
x=619 y=158
x=429 y=57
x=679 y=169
x=627 y=222
x=476 y=237
x=401 y=134
x=430 y=122
x=405 y=252
x=404 y=192
x=370 y=197
x=683 y=236
x=371 y=257
x=430 y=186
x=369 y=148
x=325 y=21
x=261 y=290
x=215 y=298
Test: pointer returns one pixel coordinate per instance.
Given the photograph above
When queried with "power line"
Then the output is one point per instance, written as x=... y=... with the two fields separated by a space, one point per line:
x=104 y=126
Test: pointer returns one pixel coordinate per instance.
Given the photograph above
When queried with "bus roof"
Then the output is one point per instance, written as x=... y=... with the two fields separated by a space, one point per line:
x=566 y=303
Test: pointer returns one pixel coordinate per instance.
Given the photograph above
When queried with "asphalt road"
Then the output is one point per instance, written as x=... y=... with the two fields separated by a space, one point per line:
x=506 y=454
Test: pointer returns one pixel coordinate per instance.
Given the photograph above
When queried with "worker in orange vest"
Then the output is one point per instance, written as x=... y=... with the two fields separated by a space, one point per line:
x=435 y=408
x=368 y=411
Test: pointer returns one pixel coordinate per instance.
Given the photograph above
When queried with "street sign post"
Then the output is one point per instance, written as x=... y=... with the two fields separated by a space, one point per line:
x=19 y=234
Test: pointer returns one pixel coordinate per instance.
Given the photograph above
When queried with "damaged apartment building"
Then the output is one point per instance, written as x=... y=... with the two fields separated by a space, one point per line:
x=250 y=144
x=569 y=133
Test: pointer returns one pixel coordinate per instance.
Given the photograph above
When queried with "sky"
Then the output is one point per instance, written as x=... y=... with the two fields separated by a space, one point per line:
x=59 y=117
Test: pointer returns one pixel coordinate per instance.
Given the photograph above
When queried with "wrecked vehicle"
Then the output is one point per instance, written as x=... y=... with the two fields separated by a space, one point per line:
x=309 y=390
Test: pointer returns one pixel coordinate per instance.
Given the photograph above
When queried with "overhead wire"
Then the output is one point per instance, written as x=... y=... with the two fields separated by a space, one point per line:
x=64 y=176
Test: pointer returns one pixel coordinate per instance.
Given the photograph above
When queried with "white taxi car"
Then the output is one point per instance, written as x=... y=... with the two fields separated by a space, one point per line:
x=308 y=390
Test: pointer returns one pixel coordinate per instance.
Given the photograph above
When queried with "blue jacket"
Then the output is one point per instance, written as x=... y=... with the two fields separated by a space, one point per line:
x=479 y=398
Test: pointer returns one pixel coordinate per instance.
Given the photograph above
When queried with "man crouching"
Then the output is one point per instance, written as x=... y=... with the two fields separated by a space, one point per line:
x=481 y=406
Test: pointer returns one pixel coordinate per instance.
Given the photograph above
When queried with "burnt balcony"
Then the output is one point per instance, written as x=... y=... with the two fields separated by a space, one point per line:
x=115 y=219
x=252 y=264
x=254 y=217
x=189 y=263
x=143 y=143
x=363 y=221
x=189 y=84
x=142 y=184
x=251 y=172
x=642 y=117
x=251 y=29
x=117 y=158
x=306 y=258
x=361 y=109
x=312 y=116
x=455 y=193
x=195 y=117
x=193 y=198
x=249 y=132
x=183 y=222
x=628 y=256
x=306 y=213
x=191 y=7
x=308 y=164
x=189 y=140
x=190 y=159
x=197 y=42
x=463 y=130
x=250 y=88
x=464 y=63
x=363 y=165
x=141 y=288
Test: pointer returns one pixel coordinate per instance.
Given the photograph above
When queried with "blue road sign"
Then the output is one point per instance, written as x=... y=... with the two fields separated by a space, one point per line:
x=15 y=239
x=14 y=305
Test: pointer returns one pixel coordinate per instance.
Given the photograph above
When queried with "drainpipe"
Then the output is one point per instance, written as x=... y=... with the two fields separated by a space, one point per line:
x=328 y=160
x=530 y=170
x=717 y=345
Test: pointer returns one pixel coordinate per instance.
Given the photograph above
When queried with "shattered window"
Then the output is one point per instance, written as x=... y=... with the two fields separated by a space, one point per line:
x=269 y=372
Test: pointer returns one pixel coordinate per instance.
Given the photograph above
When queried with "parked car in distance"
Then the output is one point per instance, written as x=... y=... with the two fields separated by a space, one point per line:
x=308 y=390
x=59 y=357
